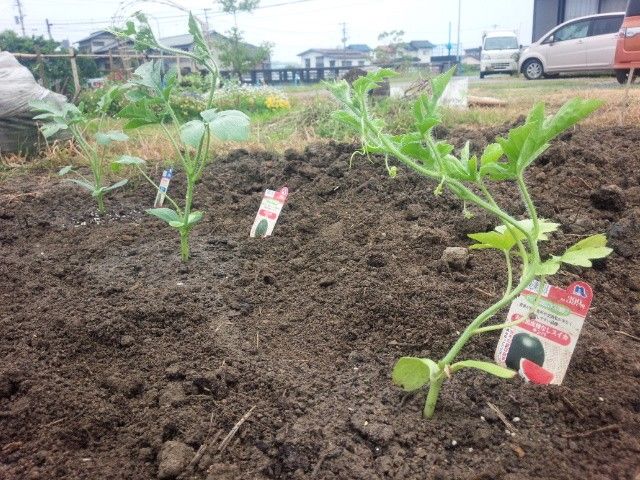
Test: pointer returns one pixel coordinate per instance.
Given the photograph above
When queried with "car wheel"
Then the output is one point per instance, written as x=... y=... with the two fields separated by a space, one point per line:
x=532 y=69
x=481 y=75
x=622 y=75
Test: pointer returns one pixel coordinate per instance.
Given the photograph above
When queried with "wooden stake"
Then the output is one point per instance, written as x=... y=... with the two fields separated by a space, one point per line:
x=74 y=72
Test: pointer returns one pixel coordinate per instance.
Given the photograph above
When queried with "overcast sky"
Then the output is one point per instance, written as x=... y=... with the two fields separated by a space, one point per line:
x=291 y=25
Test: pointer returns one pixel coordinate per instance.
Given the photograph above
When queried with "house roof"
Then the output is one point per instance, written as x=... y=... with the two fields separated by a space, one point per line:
x=335 y=52
x=359 y=47
x=416 y=44
x=187 y=40
x=94 y=35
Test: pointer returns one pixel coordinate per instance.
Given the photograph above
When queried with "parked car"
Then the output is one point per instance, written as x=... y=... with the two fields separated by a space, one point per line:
x=585 y=44
x=500 y=53
x=628 y=45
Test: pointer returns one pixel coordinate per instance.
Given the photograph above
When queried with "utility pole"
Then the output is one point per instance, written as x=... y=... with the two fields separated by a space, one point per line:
x=449 y=42
x=458 y=43
x=49 y=28
x=20 y=17
x=344 y=35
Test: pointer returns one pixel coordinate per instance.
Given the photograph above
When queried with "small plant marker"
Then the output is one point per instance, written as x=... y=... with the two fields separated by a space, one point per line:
x=269 y=211
x=540 y=346
x=163 y=187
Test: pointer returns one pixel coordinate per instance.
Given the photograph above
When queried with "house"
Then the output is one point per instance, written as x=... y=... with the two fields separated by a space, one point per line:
x=550 y=13
x=415 y=52
x=185 y=43
x=419 y=51
x=473 y=53
x=96 y=41
x=334 y=57
x=107 y=44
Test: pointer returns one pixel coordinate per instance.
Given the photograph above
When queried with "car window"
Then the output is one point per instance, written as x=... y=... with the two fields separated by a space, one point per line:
x=572 y=31
x=605 y=25
x=501 y=43
x=633 y=9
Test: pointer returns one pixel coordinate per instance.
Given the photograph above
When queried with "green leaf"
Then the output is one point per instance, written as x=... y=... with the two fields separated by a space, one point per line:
x=51 y=129
x=527 y=225
x=487 y=367
x=65 y=170
x=191 y=133
x=371 y=81
x=491 y=154
x=84 y=184
x=194 y=217
x=412 y=373
x=500 y=241
x=594 y=241
x=165 y=214
x=129 y=160
x=439 y=84
x=119 y=184
x=587 y=249
x=140 y=113
x=105 y=138
x=569 y=114
x=228 y=125
x=550 y=267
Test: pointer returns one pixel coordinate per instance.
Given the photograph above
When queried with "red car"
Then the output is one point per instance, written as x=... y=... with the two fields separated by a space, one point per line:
x=627 y=57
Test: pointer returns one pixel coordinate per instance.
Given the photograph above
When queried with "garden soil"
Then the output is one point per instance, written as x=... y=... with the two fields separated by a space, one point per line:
x=271 y=358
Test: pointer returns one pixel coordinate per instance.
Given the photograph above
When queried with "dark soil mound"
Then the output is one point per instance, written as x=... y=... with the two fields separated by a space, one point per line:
x=118 y=361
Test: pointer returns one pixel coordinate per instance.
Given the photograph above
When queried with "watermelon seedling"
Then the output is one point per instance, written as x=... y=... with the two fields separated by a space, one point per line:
x=149 y=92
x=80 y=124
x=471 y=177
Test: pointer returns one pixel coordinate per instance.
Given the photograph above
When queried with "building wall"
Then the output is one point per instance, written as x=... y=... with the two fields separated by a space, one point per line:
x=316 y=60
x=549 y=13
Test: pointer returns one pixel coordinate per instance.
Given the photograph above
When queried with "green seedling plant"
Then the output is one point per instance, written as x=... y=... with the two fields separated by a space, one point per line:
x=79 y=124
x=149 y=92
x=470 y=179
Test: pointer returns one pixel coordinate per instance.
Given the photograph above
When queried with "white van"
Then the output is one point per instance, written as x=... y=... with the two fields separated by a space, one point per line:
x=585 y=44
x=500 y=53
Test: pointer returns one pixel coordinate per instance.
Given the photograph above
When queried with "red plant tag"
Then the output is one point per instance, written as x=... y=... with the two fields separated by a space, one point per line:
x=541 y=346
x=269 y=211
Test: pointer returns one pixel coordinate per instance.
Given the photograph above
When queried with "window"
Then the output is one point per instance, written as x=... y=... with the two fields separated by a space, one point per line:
x=361 y=63
x=307 y=63
x=332 y=63
x=501 y=43
x=605 y=25
x=346 y=63
x=573 y=31
x=633 y=9
x=319 y=62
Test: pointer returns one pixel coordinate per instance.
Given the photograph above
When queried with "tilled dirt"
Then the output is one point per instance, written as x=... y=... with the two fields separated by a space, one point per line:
x=120 y=362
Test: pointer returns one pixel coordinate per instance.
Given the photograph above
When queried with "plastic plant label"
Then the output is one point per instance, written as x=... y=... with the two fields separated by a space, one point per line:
x=164 y=186
x=269 y=211
x=541 y=347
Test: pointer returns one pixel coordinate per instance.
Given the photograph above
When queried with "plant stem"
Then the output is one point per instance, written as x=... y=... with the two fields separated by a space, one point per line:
x=100 y=199
x=184 y=245
x=432 y=396
x=507 y=257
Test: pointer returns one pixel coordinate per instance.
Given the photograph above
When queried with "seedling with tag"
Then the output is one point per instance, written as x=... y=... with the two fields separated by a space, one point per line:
x=469 y=177
x=149 y=92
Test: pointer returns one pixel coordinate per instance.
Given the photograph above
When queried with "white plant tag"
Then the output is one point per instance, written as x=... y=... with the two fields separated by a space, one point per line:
x=164 y=186
x=269 y=211
x=540 y=348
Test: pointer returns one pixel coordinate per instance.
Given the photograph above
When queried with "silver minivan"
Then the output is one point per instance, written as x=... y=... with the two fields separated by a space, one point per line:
x=585 y=44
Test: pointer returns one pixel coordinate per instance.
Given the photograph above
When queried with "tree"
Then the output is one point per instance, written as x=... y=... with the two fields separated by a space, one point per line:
x=393 y=51
x=57 y=71
x=235 y=54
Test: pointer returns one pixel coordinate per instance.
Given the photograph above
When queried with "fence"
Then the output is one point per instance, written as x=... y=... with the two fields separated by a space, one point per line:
x=120 y=66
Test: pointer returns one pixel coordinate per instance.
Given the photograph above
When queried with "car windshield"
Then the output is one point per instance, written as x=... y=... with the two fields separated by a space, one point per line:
x=633 y=9
x=500 y=43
